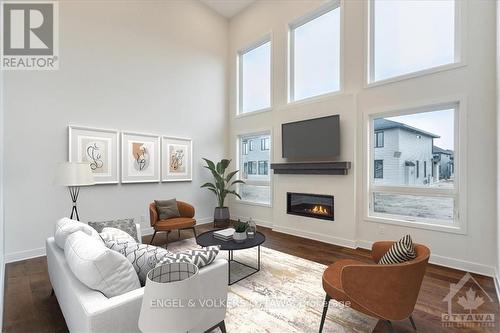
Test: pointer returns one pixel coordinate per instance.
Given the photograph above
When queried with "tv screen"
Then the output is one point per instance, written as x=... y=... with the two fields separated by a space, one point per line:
x=317 y=138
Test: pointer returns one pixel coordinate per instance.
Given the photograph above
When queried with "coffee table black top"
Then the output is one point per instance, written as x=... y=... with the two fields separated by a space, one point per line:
x=208 y=239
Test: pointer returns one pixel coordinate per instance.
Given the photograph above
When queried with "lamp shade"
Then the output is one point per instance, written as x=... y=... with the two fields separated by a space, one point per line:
x=74 y=174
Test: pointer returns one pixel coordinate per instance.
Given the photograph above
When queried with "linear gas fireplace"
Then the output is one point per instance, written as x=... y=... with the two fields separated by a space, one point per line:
x=310 y=205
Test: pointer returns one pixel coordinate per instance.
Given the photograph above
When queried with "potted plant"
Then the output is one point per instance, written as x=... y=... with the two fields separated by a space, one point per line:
x=221 y=187
x=240 y=232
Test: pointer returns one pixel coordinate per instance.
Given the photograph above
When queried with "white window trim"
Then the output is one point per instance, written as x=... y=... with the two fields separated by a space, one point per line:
x=460 y=48
x=239 y=76
x=331 y=5
x=239 y=167
x=460 y=189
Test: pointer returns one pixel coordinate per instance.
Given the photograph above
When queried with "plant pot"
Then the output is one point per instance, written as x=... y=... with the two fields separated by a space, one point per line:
x=221 y=214
x=240 y=237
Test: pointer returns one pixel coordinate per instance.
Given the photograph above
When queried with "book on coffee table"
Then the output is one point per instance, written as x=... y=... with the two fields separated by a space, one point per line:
x=224 y=234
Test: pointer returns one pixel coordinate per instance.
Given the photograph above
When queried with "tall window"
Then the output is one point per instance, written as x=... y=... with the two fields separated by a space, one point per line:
x=315 y=53
x=379 y=139
x=256 y=175
x=264 y=144
x=254 y=77
x=396 y=190
x=244 y=148
x=411 y=36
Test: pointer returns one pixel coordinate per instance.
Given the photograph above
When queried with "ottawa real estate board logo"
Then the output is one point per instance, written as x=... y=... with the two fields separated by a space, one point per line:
x=30 y=35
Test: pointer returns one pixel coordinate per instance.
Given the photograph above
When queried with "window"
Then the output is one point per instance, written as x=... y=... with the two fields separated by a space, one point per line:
x=264 y=144
x=396 y=191
x=411 y=36
x=379 y=139
x=378 y=169
x=256 y=175
x=315 y=53
x=244 y=148
x=254 y=77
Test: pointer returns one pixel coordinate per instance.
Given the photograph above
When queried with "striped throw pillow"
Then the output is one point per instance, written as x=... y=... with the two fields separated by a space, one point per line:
x=401 y=251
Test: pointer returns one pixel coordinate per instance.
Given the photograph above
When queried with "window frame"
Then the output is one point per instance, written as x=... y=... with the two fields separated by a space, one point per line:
x=377 y=141
x=267 y=38
x=329 y=6
x=459 y=191
x=460 y=51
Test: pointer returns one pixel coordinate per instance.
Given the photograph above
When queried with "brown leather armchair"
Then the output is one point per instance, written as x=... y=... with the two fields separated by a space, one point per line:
x=185 y=221
x=386 y=292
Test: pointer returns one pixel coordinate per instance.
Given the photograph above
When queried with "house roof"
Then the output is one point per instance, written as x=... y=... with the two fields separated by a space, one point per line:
x=437 y=150
x=384 y=124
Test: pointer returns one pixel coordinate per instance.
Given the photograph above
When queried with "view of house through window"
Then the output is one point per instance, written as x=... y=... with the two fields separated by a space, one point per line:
x=418 y=153
x=254 y=168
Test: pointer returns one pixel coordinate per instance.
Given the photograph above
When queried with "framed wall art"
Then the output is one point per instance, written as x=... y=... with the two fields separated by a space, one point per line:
x=99 y=148
x=177 y=159
x=140 y=158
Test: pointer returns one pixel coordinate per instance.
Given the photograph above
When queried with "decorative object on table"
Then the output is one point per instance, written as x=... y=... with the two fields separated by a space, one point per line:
x=74 y=176
x=184 y=221
x=240 y=232
x=126 y=225
x=221 y=187
x=175 y=282
x=140 y=158
x=252 y=228
x=98 y=148
x=177 y=159
x=225 y=235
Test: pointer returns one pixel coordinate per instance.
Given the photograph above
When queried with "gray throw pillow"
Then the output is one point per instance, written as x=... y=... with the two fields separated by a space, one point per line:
x=167 y=209
x=127 y=225
x=199 y=257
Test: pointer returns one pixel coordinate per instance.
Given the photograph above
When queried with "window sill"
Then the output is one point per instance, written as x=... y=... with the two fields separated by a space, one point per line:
x=417 y=74
x=313 y=99
x=453 y=229
x=251 y=113
x=251 y=203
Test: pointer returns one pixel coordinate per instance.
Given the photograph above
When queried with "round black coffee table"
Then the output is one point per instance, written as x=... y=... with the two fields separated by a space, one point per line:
x=208 y=239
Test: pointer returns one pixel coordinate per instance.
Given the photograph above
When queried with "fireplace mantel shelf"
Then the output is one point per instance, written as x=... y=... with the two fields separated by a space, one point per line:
x=312 y=168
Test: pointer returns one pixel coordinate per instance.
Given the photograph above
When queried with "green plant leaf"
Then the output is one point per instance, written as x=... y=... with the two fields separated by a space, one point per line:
x=210 y=164
x=235 y=193
x=231 y=175
x=224 y=164
x=208 y=185
x=239 y=181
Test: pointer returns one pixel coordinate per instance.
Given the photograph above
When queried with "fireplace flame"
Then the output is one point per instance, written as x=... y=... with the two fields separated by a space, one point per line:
x=319 y=210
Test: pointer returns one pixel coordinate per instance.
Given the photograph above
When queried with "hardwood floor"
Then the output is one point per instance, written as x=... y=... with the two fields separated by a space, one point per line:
x=30 y=307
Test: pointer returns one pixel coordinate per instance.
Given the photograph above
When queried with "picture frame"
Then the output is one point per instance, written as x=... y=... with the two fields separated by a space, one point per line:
x=177 y=159
x=98 y=147
x=140 y=158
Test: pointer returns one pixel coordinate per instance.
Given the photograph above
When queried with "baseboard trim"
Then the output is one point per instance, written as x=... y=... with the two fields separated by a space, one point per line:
x=317 y=237
x=146 y=231
x=23 y=255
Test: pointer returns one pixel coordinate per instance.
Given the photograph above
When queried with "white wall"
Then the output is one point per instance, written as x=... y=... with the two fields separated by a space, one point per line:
x=2 y=238
x=474 y=251
x=498 y=141
x=157 y=67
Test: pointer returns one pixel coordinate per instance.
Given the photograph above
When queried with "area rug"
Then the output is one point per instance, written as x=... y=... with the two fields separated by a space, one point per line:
x=285 y=296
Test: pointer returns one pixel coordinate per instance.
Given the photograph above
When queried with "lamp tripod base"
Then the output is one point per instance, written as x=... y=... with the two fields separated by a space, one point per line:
x=74 y=191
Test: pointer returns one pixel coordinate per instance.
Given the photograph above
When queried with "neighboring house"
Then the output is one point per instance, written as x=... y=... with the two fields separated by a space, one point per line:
x=403 y=154
x=255 y=158
x=444 y=161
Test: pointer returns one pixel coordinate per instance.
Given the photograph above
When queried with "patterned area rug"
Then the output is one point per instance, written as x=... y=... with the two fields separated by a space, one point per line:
x=285 y=296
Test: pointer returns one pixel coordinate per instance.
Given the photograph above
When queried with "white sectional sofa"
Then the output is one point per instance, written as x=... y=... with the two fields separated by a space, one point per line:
x=87 y=310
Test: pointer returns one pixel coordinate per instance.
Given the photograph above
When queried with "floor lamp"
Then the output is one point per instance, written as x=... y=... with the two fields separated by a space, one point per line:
x=74 y=176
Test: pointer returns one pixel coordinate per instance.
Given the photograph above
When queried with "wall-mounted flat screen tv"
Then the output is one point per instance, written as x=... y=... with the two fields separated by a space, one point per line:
x=317 y=138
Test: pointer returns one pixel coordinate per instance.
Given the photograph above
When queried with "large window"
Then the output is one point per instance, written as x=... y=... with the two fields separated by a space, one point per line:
x=315 y=53
x=411 y=36
x=255 y=167
x=398 y=188
x=254 y=79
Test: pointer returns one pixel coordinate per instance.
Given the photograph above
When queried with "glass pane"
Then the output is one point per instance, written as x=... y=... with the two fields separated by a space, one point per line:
x=414 y=142
x=414 y=206
x=316 y=50
x=257 y=194
x=410 y=36
x=256 y=79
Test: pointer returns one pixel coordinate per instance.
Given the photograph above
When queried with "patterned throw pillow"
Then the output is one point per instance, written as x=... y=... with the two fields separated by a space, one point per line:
x=126 y=225
x=200 y=257
x=117 y=235
x=143 y=257
x=401 y=251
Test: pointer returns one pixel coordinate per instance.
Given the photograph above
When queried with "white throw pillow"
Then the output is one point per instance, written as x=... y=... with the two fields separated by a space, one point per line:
x=66 y=226
x=98 y=267
x=109 y=234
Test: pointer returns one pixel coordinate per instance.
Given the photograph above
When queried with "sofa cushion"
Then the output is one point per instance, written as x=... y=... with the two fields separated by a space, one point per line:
x=113 y=234
x=127 y=225
x=401 y=251
x=65 y=227
x=167 y=209
x=98 y=267
x=199 y=257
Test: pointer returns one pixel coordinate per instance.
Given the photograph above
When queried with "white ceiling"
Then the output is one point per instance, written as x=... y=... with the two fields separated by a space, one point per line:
x=228 y=8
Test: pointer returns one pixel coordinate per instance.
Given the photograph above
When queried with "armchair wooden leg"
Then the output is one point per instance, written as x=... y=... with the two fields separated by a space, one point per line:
x=179 y=233
x=413 y=322
x=389 y=326
x=325 y=310
x=151 y=241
